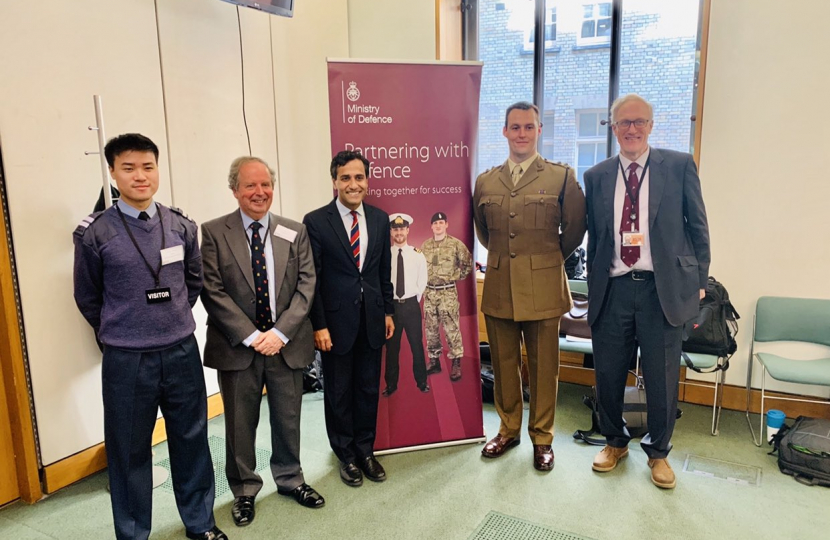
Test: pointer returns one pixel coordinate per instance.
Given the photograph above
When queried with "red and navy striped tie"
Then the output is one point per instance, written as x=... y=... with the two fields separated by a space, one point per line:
x=354 y=239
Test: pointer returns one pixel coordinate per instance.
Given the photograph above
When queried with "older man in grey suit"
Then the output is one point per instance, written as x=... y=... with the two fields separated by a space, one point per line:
x=259 y=286
x=648 y=266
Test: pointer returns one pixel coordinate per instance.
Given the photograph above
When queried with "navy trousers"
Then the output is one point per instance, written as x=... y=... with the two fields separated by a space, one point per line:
x=135 y=385
x=632 y=317
x=350 y=396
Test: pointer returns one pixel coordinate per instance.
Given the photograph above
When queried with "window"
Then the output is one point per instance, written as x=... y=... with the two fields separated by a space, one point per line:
x=574 y=85
x=550 y=31
x=596 y=24
x=591 y=141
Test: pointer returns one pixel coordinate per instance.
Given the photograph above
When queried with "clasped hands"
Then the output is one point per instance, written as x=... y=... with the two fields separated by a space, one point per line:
x=268 y=344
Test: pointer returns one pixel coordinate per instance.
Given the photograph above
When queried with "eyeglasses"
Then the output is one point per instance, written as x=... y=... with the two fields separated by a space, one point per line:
x=625 y=124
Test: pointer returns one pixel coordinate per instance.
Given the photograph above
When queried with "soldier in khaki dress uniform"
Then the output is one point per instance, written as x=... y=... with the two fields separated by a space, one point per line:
x=448 y=261
x=530 y=215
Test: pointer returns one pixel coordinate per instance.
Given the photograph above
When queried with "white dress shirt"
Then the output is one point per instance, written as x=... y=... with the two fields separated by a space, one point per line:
x=619 y=268
x=346 y=216
x=265 y=235
x=415 y=275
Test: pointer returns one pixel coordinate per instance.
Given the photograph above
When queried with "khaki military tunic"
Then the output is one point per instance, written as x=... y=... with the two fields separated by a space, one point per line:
x=448 y=261
x=528 y=230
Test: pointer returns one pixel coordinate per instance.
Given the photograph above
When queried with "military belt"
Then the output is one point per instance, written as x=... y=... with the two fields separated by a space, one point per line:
x=441 y=287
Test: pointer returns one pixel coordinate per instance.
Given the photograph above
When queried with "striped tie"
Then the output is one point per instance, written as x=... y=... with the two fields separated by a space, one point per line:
x=354 y=239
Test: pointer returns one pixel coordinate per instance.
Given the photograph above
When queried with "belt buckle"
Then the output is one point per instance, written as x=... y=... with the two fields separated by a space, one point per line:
x=637 y=276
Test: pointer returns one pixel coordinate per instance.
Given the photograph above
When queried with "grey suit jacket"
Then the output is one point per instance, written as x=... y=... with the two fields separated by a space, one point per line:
x=229 y=298
x=678 y=232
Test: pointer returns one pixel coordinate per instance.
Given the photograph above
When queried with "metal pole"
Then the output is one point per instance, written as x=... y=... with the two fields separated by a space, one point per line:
x=102 y=140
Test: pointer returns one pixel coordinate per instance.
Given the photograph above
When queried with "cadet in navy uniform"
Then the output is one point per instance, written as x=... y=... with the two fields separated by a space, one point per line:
x=409 y=276
x=138 y=273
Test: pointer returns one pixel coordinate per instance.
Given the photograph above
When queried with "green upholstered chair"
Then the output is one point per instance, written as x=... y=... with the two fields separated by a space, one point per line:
x=778 y=319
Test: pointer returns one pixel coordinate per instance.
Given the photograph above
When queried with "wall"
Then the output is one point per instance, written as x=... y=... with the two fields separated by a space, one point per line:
x=764 y=156
x=392 y=29
x=174 y=75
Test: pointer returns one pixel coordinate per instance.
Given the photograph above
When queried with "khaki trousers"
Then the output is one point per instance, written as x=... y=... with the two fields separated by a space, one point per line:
x=541 y=339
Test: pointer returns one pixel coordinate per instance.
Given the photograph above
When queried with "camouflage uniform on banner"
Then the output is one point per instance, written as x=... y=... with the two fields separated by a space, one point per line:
x=448 y=261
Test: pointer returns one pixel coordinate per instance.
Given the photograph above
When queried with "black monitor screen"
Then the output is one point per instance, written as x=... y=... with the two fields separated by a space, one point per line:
x=284 y=8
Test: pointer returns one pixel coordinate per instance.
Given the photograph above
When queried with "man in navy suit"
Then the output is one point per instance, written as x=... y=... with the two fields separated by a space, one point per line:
x=351 y=313
x=648 y=265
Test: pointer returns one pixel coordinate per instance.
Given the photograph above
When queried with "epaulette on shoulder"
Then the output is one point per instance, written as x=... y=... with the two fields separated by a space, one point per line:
x=181 y=213
x=417 y=250
x=563 y=165
x=86 y=222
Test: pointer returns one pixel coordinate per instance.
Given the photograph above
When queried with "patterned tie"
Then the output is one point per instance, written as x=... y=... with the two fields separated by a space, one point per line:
x=400 y=289
x=517 y=174
x=631 y=254
x=143 y=216
x=354 y=239
x=263 y=303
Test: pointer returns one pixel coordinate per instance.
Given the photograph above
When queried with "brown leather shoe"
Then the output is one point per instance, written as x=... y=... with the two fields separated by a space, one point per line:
x=498 y=445
x=661 y=474
x=455 y=372
x=542 y=457
x=608 y=458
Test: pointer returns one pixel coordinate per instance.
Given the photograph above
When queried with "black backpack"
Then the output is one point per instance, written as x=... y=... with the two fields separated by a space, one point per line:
x=804 y=450
x=713 y=331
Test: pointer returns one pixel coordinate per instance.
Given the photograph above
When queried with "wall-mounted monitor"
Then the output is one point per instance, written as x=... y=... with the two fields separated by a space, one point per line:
x=283 y=8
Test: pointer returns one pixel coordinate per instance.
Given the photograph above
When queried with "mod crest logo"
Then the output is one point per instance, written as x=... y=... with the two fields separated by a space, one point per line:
x=353 y=93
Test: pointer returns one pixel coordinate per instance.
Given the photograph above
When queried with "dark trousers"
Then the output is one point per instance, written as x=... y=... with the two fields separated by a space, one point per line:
x=242 y=396
x=632 y=317
x=407 y=319
x=135 y=385
x=352 y=382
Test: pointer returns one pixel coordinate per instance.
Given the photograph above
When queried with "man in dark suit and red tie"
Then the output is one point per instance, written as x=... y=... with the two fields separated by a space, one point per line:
x=352 y=313
x=648 y=266
x=259 y=282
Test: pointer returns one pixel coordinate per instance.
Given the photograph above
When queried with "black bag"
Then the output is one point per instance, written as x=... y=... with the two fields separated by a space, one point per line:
x=575 y=264
x=713 y=331
x=804 y=451
x=634 y=414
x=313 y=375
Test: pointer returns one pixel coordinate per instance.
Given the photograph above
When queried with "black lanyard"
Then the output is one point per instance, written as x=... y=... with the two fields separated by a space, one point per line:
x=631 y=197
x=155 y=273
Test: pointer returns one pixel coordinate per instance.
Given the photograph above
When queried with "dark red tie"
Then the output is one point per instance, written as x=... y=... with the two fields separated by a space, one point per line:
x=631 y=254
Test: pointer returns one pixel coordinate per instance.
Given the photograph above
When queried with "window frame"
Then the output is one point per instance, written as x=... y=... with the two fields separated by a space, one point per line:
x=595 y=39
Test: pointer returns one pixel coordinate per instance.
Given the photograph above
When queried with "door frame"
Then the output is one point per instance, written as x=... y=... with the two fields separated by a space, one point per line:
x=13 y=364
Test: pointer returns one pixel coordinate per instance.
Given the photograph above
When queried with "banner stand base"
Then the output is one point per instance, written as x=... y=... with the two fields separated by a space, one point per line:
x=429 y=446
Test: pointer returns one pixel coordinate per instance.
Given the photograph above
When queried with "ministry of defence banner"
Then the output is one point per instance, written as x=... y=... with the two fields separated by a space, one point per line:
x=417 y=124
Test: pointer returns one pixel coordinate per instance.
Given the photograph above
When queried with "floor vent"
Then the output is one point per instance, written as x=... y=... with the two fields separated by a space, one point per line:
x=217 y=454
x=498 y=526
x=736 y=473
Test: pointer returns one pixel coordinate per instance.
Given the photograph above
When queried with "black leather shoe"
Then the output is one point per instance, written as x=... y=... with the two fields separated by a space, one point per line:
x=423 y=388
x=351 y=475
x=213 y=534
x=389 y=391
x=305 y=495
x=372 y=469
x=243 y=511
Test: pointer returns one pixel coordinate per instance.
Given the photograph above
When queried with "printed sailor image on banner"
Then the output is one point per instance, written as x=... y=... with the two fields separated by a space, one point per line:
x=409 y=279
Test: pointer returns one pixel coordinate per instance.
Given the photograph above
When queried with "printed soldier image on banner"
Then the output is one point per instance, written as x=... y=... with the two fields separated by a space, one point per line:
x=448 y=261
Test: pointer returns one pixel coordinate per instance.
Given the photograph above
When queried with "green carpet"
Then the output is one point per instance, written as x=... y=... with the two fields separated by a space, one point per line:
x=447 y=493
